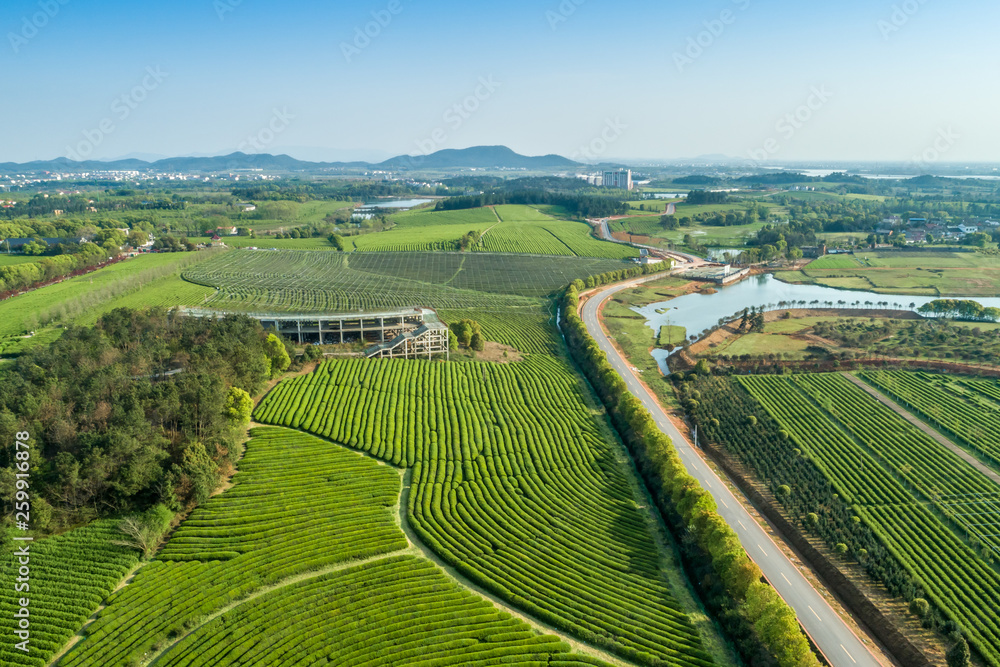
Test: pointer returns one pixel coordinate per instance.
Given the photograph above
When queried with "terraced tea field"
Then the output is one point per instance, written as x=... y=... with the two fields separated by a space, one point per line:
x=505 y=229
x=926 y=504
x=398 y=611
x=70 y=575
x=514 y=484
x=337 y=282
x=298 y=505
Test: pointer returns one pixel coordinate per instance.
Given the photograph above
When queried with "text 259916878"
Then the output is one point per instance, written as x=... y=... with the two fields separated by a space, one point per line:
x=22 y=551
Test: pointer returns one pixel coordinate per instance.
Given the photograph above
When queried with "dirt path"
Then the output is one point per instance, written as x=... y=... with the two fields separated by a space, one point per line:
x=895 y=407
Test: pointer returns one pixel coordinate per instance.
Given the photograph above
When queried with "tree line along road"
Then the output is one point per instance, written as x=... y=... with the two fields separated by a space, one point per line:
x=828 y=631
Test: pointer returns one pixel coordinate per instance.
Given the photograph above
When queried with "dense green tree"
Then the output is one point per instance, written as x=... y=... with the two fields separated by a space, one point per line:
x=958 y=655
x=276 y=352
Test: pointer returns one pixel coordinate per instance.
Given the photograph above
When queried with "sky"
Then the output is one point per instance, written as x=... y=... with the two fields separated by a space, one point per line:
x=770 y=81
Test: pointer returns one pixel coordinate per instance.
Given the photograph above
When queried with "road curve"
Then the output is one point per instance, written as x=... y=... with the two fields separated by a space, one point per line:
x=838 y=643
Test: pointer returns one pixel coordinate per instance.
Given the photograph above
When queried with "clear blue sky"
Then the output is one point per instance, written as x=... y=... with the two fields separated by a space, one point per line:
x=562 y=76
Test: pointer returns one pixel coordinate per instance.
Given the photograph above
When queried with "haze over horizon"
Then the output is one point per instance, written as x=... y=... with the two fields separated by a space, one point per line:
x=588 y=79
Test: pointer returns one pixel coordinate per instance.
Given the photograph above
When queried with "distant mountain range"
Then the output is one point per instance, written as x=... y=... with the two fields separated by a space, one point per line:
x=478 y=157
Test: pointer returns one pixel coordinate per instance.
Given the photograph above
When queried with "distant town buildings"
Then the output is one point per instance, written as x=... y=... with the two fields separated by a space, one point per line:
x=620 y=179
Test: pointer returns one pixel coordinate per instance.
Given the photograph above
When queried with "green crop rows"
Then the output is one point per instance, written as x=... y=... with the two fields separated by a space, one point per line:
x=484 y=272
x=903 y=485
x=324 y=282
x=512 y=229
x=298 y=505
x=398 y=611
x=527 y=331
x=70 y=575
x=966 y=409
x=512 y=484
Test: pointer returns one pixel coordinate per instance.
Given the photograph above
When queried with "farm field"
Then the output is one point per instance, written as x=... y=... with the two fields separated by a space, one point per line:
x=82 y=296
x=344 y=282
x=925 y=273
x=265 y=281
x=399 y=611
x=926 y=504
x=506 y=229
x=70 y=575
x=964 y=409
x=532 y=330
x=9 y=260
x=516 y=485
x=707 y=235
x=297 y=505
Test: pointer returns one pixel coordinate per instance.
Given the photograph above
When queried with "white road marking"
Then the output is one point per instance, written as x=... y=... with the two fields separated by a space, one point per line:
x=786 y=579
x=741 y=524
x=762 y=549
x=849 y=654
x=816 y=615
x=724 y=503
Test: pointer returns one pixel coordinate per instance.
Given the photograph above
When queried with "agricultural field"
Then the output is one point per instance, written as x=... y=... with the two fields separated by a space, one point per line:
x=923 y=273
x=532 y=331
x=505 y=229
x=298 y=507
x=344 y=282
x=964 y=409
x=931 y=508
x=517 y=486
x=70 y=575
x=399 y=611
x=707 y=235
x=836 y=262
x=7 y=259
x=142 y=280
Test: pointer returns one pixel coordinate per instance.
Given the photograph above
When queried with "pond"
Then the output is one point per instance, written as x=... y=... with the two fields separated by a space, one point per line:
x=698 y=312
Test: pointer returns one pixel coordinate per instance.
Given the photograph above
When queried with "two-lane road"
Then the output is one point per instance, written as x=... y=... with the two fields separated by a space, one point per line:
x=828 y=631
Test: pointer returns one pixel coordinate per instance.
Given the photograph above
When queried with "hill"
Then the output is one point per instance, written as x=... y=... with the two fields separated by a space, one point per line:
x=478 y=157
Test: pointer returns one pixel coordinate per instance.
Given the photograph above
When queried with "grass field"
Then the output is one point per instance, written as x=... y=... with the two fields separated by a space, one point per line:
x=922 y=500
x=515 y=484
x=9 y=260
x=762 y=344
x=144 y=280
x=506 y=229
x=671 y=335
x=835 y=262
x=923 y=273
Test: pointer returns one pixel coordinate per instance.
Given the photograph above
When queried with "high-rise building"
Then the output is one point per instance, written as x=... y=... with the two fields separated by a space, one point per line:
x=621 y=179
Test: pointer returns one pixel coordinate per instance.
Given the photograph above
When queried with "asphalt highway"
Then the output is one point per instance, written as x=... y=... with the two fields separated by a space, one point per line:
x=828 y=631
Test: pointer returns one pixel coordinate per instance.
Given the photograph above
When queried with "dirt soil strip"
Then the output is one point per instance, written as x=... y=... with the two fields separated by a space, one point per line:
x=895 y=407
